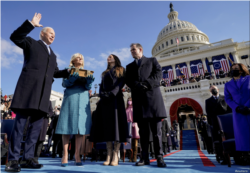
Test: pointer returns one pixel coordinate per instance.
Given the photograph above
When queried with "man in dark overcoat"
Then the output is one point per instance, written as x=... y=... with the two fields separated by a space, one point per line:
x=32 y=93
x=165 y=134
x=216 y=105
x=143 y=76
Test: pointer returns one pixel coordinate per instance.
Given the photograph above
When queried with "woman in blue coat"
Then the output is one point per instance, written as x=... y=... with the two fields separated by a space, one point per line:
x=237 y=96
x=75 y=115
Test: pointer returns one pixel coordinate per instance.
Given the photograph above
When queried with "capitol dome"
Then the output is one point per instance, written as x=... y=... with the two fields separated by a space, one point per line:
x=187 y=33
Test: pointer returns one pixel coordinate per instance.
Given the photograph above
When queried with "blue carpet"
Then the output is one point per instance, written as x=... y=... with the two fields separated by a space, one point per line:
x=185 y=161
x=188 y=140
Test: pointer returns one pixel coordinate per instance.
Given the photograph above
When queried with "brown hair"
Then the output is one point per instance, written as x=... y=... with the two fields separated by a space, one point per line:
x=127 y=101
x=119 y=70
x=138 y=45
x=243 y=68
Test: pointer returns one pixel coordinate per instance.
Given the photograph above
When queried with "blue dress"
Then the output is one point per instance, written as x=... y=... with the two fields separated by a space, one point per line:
x=75 y=114
x=237 y=93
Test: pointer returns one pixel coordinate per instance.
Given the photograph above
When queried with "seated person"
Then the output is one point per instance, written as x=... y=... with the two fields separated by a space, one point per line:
x=163 y=83
x=207 y=75
x=222 y=73
x=192 y=79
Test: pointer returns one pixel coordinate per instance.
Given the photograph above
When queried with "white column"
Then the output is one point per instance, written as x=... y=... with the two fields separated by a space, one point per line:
x=211 y=66
x=189 y=69
x=236 y=58
x=204 y=63
x=173 y=67
x=227 y=56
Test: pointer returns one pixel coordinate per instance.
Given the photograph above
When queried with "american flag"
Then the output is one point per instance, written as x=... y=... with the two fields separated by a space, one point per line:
x=220 y=64
x=169 y=76
x=177 y=41
x=195 y=70
x=184 y=70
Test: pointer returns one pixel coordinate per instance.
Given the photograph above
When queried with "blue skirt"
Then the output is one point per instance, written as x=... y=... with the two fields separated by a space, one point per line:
x=75 y=115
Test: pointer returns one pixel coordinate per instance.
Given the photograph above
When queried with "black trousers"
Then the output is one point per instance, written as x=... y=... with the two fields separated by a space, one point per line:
x=38 y=149
x=57 y=145
x=34 y=128
x=155 y=126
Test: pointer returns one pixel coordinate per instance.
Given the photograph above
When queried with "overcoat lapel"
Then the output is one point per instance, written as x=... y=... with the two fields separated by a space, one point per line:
x=43 y=45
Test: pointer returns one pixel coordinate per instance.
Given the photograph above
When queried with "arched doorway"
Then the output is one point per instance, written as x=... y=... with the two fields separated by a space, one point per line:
x=184 y=103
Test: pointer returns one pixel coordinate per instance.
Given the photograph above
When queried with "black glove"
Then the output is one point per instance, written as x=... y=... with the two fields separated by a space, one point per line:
x=243 y=110
x=142 y=86
x=106 y=94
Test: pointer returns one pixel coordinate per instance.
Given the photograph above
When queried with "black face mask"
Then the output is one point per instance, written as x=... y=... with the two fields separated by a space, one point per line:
x=214 y=92
x=235 y=73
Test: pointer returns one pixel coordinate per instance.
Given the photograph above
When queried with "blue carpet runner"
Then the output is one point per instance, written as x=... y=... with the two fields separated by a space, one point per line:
x=188 y=140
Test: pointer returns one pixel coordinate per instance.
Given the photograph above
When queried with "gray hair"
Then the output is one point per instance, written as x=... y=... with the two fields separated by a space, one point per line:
x=44 y=30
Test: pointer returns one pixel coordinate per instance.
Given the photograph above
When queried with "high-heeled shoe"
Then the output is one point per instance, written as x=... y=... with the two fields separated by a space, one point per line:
x=78 y=163
x=64 y=164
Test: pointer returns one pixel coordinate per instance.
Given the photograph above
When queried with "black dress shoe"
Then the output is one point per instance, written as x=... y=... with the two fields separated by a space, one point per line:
x=31 y=164
x=12 y=166
x=223 y=162
x=160 y=162
x=142 y=162
x=36 y=161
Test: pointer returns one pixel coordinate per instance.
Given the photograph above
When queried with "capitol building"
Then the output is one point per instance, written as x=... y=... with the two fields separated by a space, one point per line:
x=181 y=45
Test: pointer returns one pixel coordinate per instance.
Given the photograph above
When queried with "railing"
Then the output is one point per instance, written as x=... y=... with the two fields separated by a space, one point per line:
x=196 y=85
x=199 y=137
x=247 y=43
x=183 y=87
x=206 y=46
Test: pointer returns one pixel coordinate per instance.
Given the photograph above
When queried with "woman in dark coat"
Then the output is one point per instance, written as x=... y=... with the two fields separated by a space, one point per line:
x=110 y=122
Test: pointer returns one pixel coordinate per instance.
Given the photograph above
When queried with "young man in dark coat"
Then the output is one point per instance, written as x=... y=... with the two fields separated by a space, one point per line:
x=143 y=76
x=32 y=93
x=216 y=105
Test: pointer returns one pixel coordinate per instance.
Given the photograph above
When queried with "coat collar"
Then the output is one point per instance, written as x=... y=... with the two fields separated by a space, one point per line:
x=143 y=60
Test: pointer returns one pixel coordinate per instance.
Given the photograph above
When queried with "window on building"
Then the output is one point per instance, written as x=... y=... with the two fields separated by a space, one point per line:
x=167 y=43
x=159 y=47
x=170 y=27
x=187 y=38
x=197 y=37
x=179 y=25
x=192 y=37
x=174 y=26
x=182 y=39
x=162 y=46
x=171 y=41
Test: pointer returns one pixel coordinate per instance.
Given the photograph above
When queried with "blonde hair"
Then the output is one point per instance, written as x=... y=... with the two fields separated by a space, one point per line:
x=74 y=57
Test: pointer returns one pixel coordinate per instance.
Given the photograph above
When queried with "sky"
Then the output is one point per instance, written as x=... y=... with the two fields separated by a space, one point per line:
x=97 y=29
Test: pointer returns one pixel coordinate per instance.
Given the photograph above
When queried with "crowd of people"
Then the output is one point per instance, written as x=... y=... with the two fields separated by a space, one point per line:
x=6 y=112
x=109 y=122
x=182 y=79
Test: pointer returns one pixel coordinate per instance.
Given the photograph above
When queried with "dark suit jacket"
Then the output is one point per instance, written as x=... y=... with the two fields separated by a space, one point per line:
x=215 y=108
x=34 y=84
x=146 y=104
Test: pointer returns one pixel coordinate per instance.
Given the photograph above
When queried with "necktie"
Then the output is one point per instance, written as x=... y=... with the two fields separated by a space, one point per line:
x=48 y=49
